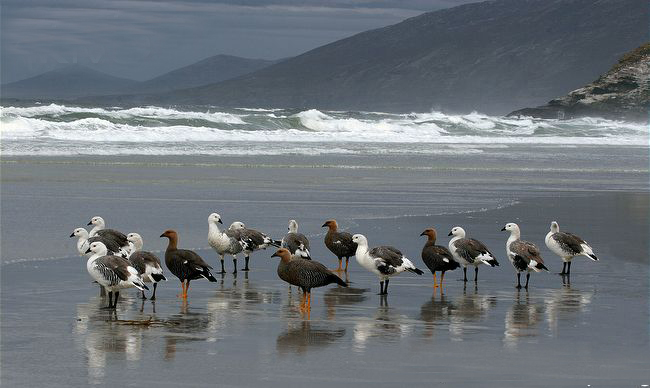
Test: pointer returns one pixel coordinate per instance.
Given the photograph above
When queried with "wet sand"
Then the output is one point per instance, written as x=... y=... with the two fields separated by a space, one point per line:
x=246 y=330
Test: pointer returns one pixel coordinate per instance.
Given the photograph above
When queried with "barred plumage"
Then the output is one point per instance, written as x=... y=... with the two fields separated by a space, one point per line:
x=306 y=274
x=339 y=243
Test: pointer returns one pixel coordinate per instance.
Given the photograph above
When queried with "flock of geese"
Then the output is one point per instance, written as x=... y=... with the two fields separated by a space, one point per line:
x=118 y=261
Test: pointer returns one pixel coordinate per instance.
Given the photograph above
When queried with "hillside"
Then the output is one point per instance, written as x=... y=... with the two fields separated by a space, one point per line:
x=622 y=93
x=207 y=71
x=67 y=82
x=491 y=56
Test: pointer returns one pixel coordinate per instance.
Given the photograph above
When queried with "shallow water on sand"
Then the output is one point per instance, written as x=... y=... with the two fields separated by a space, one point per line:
x=247 y=330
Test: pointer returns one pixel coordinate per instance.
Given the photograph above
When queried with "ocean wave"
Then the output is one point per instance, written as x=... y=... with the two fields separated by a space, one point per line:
x=56 y=129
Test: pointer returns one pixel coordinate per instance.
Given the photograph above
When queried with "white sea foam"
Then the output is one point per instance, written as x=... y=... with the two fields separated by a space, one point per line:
x=60 y=130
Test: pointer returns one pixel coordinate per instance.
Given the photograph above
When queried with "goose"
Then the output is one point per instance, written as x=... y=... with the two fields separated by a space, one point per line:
x=437 y=257
x=306 y=274
x=296 y=242
x=112 y=272
x=186 y=265
x=383 y=261
x=523 y=255
x=147 y=264
x=224 y=242
x=468 y=251
x=339 y=243
x=84 y=241
x=252 y=240
x=567 y=246
x=99 y=229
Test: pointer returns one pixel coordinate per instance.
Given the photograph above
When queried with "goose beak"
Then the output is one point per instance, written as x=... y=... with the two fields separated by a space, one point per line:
x=423 y=233
x=503 y=229
x=88 y=251
x=72 y=235
x=162 y=235
x=450 y=234
x=275 y=255
x=324 y=225
x=89 y=223
x=220 y=221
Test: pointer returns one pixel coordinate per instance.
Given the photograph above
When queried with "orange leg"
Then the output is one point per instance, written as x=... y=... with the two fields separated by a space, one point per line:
x=187 y=288
x=434 y=281
x=309 y=301
x=182 y=290
x=303 y=299
x=442 y=277
x=340 y=264
x=347 y=261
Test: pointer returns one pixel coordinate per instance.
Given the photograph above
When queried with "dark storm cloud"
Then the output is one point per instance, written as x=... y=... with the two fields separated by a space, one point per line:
x=140 y=39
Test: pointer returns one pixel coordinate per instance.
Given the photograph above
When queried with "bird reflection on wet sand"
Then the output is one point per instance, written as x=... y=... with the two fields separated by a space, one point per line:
x=302 y=336
x=387 y=325
x=436 y=313
x=565 y=304
x=470 y=308
x=521 y=319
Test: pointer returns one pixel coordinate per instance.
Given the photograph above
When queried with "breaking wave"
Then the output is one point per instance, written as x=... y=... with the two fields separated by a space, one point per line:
x=68 y=130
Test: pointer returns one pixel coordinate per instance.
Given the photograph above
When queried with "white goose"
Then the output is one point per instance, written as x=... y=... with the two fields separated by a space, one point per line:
x=147 y=264
x=468 y=251
x=383 y=261
x=567 y=246
x=224 y=242
x=523 y=255
x=112 y=272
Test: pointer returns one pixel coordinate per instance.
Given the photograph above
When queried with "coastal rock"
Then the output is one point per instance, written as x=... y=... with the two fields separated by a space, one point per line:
x=623 y=93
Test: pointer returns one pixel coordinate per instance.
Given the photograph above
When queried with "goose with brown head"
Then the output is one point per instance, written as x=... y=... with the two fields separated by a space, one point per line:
x=339 y=243
x=186 y=265
x=436 y=257
x=306 y=274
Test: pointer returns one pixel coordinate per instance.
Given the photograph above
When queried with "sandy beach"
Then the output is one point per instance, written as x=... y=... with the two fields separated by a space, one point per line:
x=246 y=330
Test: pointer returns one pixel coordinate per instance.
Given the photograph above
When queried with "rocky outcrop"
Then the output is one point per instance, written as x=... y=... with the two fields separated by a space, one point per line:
x=623 y=93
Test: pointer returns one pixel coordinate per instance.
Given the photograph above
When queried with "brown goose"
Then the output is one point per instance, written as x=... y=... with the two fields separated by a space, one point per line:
x=186 y=265
x=306 y=274
x=339 y=243
x=437 y=257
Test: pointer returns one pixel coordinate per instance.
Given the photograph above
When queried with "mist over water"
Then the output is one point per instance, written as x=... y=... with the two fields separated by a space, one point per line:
x=69 y=130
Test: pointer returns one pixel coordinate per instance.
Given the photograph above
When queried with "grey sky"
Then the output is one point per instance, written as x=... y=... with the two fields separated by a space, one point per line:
x=140 y=39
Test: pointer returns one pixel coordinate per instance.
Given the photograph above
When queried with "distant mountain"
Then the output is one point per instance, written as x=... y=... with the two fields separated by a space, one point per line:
x=622 y=93
x=207 y=71
x=66 y=82
x=491 y=56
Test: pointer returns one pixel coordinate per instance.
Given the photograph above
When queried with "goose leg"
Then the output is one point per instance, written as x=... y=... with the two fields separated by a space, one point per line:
x=465 y=274
x=340 y=264
x=246 y=263
x=182 y=289
x=442 y=277
x=527 y=278
x=568 y=271
x=518 y=286
x=386 y=287
x=110 y=300
x=381 y=287
x=563 y=269
x=117 y=296
x=143 y=296
x=223 y=269
x=434 y=281
x=187 y=288
x=234 y=263
x=153 y=297
x=475 y=274
x=347 y=261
